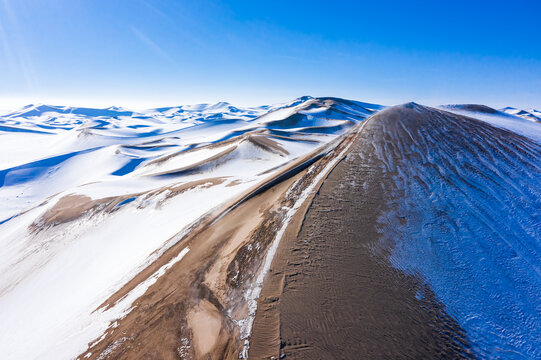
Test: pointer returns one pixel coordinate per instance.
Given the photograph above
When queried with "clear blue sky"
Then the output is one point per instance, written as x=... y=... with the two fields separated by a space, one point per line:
x=142 y=53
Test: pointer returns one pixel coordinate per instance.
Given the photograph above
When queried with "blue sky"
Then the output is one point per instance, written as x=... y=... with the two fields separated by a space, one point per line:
x=143 y=53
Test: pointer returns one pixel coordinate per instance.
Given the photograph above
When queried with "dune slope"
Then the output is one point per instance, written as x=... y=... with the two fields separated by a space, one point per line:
x=422 y=243
x=98 y=203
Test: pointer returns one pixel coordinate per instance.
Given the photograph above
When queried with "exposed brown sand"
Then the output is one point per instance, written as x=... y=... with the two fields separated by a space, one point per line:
x=199 y=166
x=161 y=319
x=207 y=286
x=73 y=206
x=220 y=144
x=266 y=143
x=332 y=293
x=262 y=141
x=206 y=323
x=68 y=208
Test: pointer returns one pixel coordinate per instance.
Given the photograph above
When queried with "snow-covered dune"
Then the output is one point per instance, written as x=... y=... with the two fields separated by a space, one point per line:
x=424 y=242
x=531 y=114
x=90 y=197
x=504 y=119
x=464 y=213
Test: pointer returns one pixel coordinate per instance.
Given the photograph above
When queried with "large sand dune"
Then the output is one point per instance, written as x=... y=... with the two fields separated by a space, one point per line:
x=422 y=243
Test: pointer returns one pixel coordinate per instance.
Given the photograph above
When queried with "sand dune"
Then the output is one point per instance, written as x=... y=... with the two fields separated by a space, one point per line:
x=105 y=194
x=320 y=228
x=413 y=248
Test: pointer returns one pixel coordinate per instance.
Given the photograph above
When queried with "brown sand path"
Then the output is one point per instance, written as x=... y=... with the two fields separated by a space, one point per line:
x=193 y=311
x=331 y=292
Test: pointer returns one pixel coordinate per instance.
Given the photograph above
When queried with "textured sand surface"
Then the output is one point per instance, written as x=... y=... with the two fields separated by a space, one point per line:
x=199 y=308
x=422 y=243
x=333 y=293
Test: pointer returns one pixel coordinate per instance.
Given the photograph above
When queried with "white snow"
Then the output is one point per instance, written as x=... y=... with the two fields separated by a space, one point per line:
x=54 y=276
x=506 y=121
